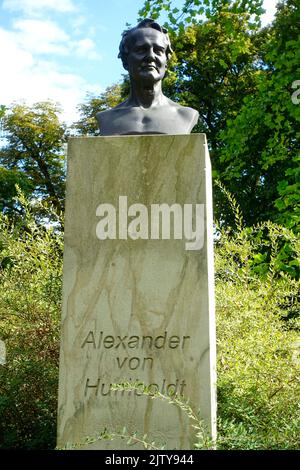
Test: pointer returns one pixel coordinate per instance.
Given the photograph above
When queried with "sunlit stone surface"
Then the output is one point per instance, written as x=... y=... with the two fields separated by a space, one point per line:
x=135 y=309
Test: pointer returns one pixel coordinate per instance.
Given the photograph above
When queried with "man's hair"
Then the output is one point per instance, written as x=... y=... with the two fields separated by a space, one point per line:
x=147 y=23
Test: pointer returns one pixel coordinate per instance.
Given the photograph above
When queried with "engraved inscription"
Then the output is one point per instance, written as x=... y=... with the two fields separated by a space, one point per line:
x=135 y=362
x=104 y=389
x=97 y=340
x=165 y=341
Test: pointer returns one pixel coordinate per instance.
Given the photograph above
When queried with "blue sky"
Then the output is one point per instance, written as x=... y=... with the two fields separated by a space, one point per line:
x=62 y=49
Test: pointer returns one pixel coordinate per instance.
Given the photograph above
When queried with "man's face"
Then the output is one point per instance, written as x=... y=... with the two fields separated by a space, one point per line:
x=147 y=58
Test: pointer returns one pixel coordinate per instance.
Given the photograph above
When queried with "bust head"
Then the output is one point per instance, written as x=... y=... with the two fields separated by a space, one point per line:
x=145 y=51
x=145 y=33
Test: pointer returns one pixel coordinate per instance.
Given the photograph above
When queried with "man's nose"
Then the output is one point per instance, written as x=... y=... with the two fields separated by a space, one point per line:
x=150 y=55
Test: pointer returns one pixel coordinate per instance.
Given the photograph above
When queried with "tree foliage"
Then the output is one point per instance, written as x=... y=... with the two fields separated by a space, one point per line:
x=239 y=77
x=213 y=69
x=87 y=124
x=34 y=151
x=260 y=147
x=9 y=180
x=193 y=12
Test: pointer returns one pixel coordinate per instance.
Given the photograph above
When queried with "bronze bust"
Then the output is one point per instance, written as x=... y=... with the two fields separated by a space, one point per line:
x=145 y=50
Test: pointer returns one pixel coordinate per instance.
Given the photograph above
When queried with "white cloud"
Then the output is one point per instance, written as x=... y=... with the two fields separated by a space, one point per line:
x=86 y=48
x=77 y=24
x=31 y=7
x=25 y=77
x=41 y=37
x=36 y=51
x=46 y=37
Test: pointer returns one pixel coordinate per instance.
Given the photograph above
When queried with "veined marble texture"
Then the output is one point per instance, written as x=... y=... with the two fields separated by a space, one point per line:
x=135 y=310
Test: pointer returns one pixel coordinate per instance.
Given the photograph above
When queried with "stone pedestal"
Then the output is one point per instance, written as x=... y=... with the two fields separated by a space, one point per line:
x=138 y=305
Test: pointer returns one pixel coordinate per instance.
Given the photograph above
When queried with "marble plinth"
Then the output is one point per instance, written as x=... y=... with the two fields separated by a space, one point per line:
x=136 y=308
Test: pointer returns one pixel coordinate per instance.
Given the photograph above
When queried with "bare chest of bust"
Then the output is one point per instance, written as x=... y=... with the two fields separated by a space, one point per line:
x=153 y=120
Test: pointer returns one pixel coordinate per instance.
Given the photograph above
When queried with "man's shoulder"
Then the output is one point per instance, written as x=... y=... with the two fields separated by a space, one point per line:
x=187 y=114
x=183 y=110
x=110 y=112
x=105 y=114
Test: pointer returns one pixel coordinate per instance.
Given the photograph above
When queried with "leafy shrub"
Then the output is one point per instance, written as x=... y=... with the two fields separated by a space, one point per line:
x=257 y=306
x=30 y=286
x=258 y=323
